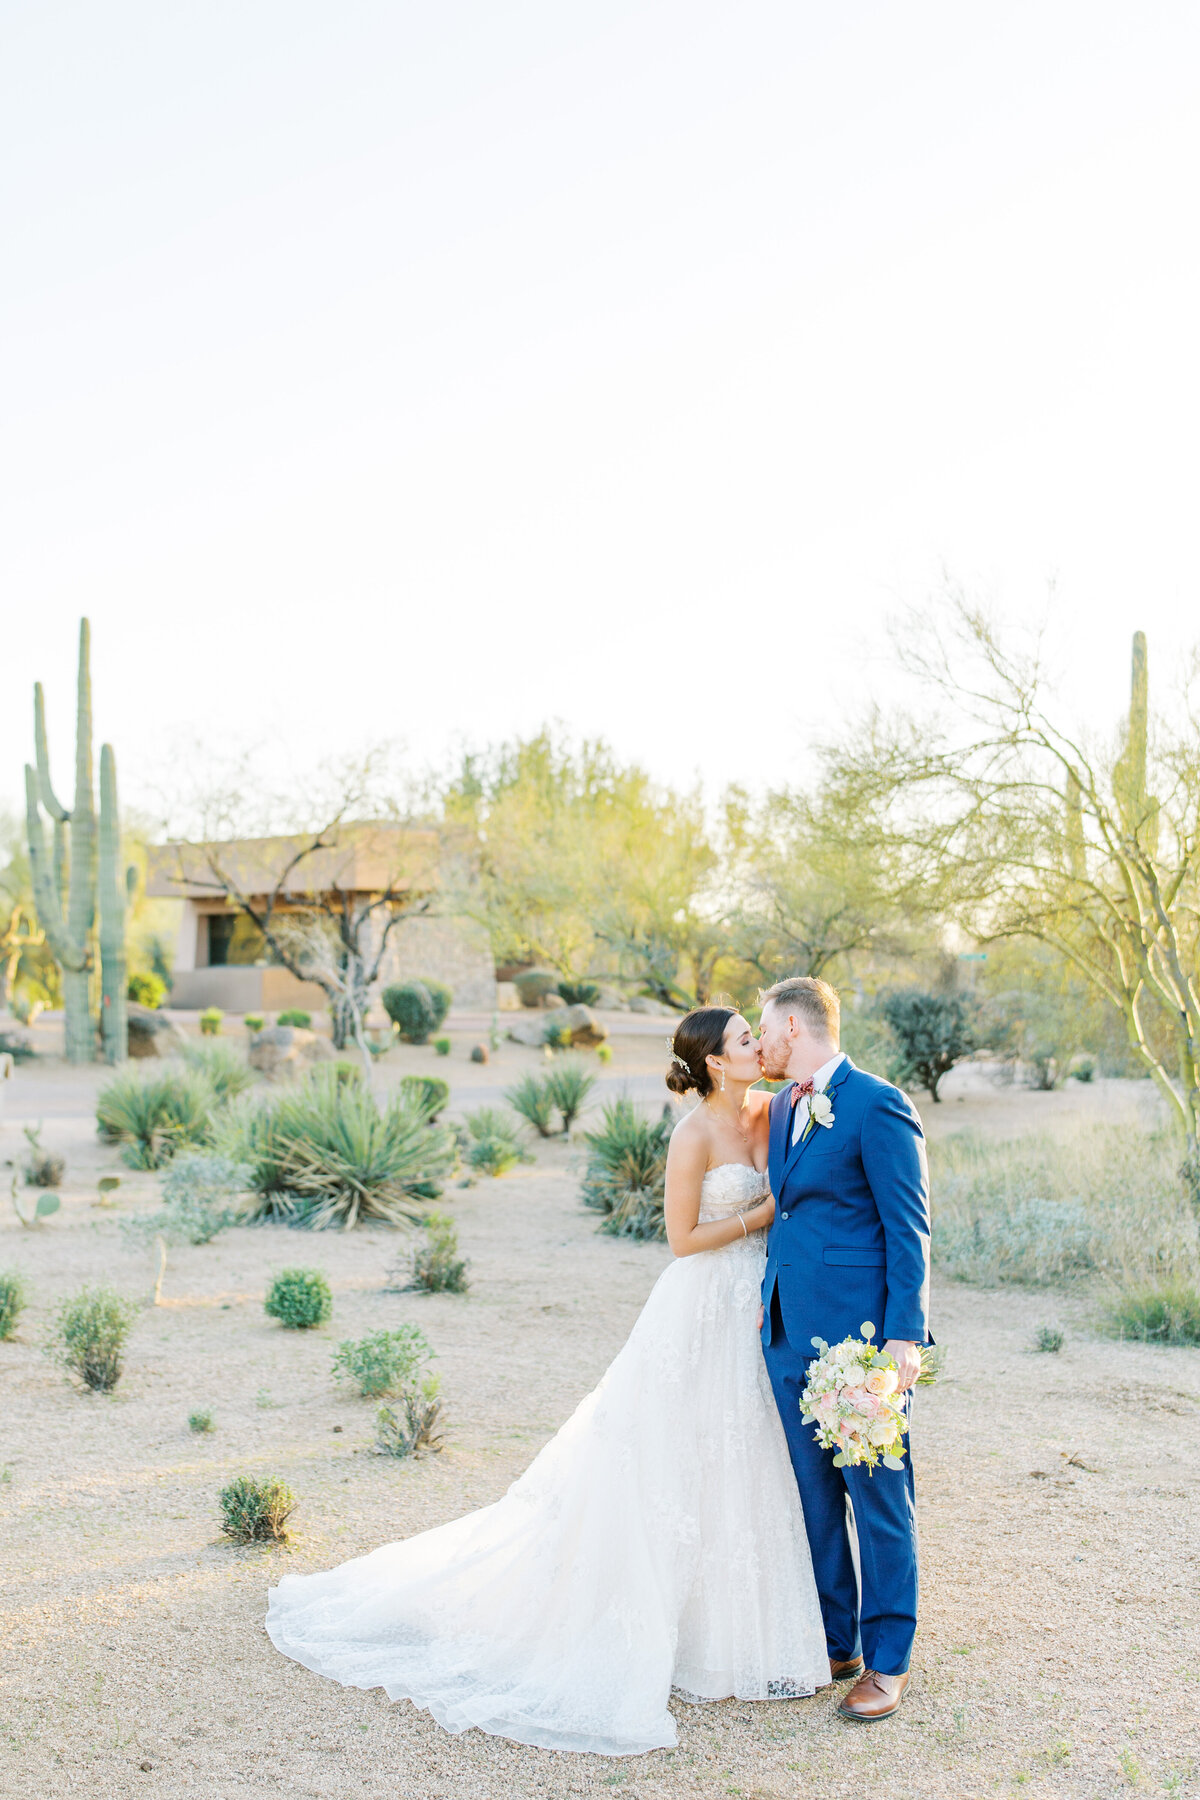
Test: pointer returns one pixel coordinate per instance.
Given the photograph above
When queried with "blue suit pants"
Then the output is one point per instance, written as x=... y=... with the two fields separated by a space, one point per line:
x=880 y=1626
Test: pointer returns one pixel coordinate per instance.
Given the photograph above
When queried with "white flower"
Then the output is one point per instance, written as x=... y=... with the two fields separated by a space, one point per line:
x=820 y=1109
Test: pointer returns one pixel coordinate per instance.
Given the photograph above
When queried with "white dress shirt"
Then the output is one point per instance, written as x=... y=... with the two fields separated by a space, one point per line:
x=820 y=1081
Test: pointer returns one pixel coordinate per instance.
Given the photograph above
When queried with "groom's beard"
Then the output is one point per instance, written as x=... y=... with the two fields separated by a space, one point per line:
x=774 y=1064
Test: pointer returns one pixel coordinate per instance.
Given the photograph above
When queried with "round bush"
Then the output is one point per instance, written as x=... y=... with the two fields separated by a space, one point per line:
x=210 y=1021
x=441 y=996
x=89 y=1336
x=254 y=1511
x=147 y=990
x=413 y=1009
x=299 y=1299
x=533 y=985
x=296 y=1015
x=442 y=1045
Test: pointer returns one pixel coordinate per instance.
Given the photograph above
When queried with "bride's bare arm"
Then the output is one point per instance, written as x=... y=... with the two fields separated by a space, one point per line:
x=687 y=1160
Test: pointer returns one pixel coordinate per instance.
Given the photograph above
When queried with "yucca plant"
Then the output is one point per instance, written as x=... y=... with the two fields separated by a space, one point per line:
x=568 y=1085
x=325 y=1153
x=222 y=1064
x=494 y=1141
x=535 y=1103
x=153 y=1114
x=625 y=1175
x=428 y=1091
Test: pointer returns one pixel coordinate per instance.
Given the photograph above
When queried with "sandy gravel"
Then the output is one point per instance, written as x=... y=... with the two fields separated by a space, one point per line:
x=1059 y=1652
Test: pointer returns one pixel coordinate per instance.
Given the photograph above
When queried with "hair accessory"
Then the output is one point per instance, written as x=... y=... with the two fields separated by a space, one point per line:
x=681 y=1060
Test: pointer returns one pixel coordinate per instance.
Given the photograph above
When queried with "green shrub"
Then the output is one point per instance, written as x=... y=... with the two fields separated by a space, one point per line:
x=201 y=1423
x=254 y=1023
x=146 y=990
x=255 y=1511
x=384 y=1362
x=1169 y=1314
x=411 y=1426
x=495 y=1145
x=299 y=1298
x=533 y=985
x=569 y=1084
x=413 y=1009
x=441 y=996
x=428 y=1092
x=625 y=1174
x=535 y=1103
x=154 y=1113
x=343 y=1071
x=297 y=1017
x=223 y=1067
x=322 y=1153
x=1083 y=1068
x=604 y=1054
x=437 y=1267
x=210 y=1021
x=579 y=993
x=558 y=1035
x=442 y=1045
x=200 y=1193
x=89 y=1334
x=933 y=1032
x=14 y=1297
x=1048 y=1339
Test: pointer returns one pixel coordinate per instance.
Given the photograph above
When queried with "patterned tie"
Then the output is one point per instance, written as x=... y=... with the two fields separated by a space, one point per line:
x=799 y=1090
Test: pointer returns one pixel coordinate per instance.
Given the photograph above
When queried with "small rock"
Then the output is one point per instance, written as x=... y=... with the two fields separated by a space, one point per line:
x=480 y=1053
x=642 y=1003
x=153 y=1034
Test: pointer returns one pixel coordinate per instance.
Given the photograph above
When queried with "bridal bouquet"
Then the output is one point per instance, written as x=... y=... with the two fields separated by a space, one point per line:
x=852 y=1400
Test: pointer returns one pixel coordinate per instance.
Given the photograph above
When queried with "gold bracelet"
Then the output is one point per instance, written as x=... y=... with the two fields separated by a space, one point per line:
x=745 y=1233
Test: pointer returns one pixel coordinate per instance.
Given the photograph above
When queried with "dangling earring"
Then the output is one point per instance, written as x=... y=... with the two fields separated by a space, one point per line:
x=722 y=1081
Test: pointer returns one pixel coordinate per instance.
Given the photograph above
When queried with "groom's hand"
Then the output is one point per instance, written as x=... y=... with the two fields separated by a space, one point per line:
x=907 y=1359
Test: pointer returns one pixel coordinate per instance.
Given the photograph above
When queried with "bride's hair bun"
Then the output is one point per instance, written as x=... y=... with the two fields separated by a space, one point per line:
x=698 y=1036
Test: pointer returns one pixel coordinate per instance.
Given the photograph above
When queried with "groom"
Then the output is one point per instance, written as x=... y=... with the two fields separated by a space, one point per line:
x=849 y=1244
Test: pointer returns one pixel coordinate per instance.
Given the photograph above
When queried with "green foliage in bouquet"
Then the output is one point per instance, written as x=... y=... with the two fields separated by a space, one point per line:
x=300 y=1299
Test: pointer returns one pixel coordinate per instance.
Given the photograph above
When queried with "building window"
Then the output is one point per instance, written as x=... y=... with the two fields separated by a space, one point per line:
x=233 y=938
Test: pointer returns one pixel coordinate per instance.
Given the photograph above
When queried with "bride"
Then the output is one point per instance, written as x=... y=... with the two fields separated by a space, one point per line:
x=656 y=1544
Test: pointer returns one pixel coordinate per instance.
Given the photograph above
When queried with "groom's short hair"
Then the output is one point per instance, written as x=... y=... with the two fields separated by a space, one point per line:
x=812 y=1000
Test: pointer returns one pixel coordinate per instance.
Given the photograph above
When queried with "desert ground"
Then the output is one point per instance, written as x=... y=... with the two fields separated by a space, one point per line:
x=1059 y=1649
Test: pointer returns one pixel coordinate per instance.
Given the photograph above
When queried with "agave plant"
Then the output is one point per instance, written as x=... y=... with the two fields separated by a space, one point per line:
x=156 y=1113
x=568 y=1085
x=325 y=1153
x=626 y=1171
x=535 y=1103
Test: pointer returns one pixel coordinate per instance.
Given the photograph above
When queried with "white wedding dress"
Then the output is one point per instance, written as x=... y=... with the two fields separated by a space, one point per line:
x=655 y=1543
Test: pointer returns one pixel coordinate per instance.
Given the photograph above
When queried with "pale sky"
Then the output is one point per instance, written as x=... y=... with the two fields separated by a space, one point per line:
x=377 y=370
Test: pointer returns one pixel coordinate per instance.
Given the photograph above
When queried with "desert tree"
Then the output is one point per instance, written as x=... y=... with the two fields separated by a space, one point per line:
x=326 y=893
x=1038 y=833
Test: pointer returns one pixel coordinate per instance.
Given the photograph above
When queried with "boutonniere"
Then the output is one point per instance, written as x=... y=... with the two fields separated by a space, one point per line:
x=820 y=1112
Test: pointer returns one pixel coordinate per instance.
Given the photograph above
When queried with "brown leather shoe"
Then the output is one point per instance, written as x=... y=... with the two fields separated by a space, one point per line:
x=873 y=1696
x=849 y=1670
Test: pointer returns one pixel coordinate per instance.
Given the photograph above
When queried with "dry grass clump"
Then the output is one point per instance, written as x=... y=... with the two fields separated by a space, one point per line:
x=1091 y=1201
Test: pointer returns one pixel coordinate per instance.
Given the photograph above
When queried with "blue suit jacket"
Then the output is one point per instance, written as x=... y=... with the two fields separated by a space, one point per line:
x=850 y=1237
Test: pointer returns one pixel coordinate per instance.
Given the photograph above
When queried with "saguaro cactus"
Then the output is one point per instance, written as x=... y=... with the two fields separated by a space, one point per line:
x=1139 y=811
x=114 y=904
x=64 y=882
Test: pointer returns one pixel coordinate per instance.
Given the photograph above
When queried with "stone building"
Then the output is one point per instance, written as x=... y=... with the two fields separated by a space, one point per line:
x=222 y=959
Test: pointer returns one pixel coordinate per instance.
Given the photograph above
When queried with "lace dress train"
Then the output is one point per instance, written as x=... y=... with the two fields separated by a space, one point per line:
x=656 y=1542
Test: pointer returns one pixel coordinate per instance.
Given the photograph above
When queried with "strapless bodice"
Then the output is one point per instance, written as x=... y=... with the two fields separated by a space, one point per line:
x=729 y=1188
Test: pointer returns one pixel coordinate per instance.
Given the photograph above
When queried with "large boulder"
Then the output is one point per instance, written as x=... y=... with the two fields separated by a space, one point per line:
x=644 y=1003
x=535 y=985
x=284 y=1050
x=153 y=1034
x=577 y=1024
x=612 y=1000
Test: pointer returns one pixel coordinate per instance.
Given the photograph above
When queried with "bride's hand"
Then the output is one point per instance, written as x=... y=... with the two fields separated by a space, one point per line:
x=763 y=1213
